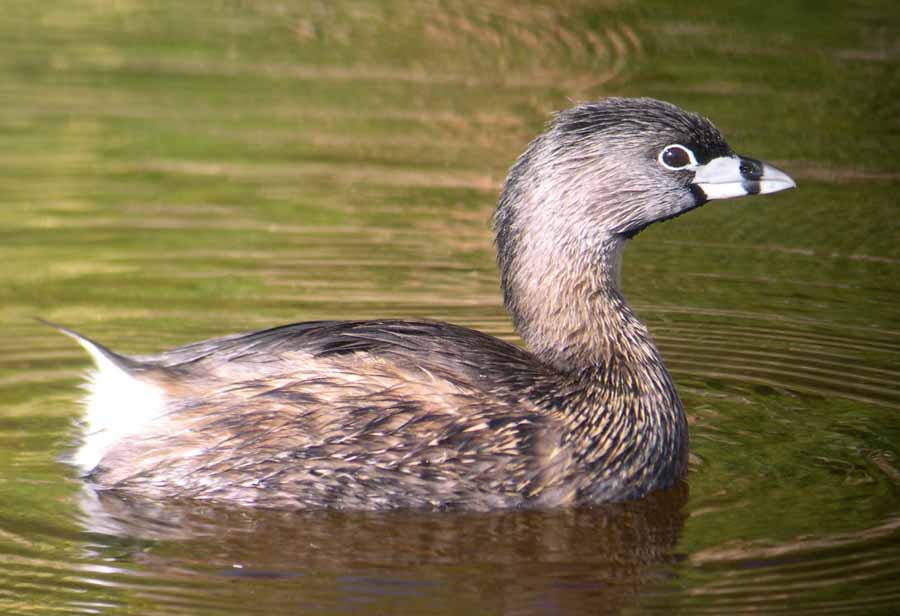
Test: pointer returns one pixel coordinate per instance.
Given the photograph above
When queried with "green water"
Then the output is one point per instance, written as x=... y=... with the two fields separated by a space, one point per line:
x=172 y=171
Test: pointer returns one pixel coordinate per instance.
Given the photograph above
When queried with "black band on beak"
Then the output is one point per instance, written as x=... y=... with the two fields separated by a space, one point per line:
x=751 y=169
x=751 y=173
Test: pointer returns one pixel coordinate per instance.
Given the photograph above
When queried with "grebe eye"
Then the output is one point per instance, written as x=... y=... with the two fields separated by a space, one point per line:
x=676 y=156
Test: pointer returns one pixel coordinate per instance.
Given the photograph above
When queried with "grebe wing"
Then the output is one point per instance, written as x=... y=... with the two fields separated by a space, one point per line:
x=449 y=349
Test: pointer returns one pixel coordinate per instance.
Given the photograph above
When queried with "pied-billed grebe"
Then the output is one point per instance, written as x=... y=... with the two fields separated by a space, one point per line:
x=392 y=413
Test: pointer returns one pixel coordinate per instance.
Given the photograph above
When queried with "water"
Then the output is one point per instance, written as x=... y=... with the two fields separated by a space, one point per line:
x=174 y=171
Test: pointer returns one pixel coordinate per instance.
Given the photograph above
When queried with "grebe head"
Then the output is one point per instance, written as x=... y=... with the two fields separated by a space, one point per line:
x=600 y=174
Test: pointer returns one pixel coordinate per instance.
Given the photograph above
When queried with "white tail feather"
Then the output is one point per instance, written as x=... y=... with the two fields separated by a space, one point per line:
x=117 y=405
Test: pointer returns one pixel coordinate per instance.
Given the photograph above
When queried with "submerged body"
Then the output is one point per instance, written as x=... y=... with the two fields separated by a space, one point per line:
x=379 y=414
x=385 y=414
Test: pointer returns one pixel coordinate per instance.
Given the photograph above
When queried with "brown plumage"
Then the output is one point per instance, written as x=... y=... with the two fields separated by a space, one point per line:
x=390 y=413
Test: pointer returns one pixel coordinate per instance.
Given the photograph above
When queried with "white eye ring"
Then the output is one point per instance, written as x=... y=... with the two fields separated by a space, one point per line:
x=677 y=150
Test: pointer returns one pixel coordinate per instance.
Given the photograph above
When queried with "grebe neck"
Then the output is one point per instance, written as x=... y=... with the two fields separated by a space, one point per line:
x=624 y=416
x=569 y=308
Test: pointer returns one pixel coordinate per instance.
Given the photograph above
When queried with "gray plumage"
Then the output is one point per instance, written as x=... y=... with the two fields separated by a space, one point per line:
x=391 y=413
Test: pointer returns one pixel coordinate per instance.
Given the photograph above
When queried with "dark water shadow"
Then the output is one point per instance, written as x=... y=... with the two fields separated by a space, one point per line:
x=591 y=560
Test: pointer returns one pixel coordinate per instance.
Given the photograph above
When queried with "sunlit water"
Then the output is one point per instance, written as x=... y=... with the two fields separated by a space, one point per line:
x=174 y=171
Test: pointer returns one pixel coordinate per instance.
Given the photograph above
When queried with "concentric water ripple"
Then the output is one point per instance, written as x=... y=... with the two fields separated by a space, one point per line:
x=815 y=576
x=796 y=356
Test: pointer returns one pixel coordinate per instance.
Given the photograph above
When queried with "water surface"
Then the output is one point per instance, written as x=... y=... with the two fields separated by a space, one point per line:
x=174 y=171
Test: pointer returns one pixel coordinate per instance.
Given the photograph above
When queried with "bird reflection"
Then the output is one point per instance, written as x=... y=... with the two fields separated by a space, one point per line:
x=595 y=559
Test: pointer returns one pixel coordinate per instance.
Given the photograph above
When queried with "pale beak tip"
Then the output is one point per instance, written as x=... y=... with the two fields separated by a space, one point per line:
x=774 y=180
